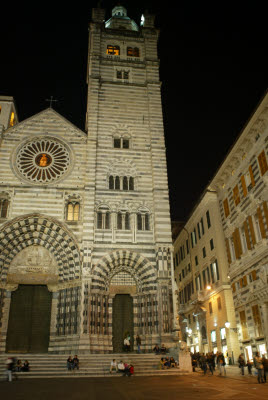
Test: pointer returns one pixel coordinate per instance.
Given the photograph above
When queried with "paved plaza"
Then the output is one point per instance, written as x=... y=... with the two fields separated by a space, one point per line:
x=193 y=386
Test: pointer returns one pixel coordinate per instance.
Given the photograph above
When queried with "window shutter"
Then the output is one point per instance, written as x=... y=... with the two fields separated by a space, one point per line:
x=247 y=235
x=236 y=196
x=245 y=281
x=259 y=213
x=262 y=162
x=239 y=244
x=226 y=208
x=233 y=287
x=228 y=251
x=251 y=228
x=244 y=186
x=251 y=176
x=235 y=244
x=265 y=208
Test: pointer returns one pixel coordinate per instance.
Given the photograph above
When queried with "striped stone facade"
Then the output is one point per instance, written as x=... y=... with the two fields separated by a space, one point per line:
x=67 y=227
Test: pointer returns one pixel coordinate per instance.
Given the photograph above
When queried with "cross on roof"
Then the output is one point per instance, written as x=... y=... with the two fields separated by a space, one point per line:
x=51 y=101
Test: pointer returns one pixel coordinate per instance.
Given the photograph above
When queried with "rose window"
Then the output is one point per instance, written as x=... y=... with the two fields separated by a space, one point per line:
x=43 y=160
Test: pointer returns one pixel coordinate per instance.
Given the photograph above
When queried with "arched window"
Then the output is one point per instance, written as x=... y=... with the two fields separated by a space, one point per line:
x=121 y=182
x=127 y=221
x=143 y=221
x=3 y=208
x=111 y=182
x=73 y=211
x=125 y=183
x=131 y=183
x=103 y=218
x=119 y=221
x=113 y=50
x=117 y=183
x=123 y=221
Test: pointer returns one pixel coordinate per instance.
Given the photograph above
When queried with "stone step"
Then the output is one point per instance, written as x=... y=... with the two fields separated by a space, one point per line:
x=91 y=365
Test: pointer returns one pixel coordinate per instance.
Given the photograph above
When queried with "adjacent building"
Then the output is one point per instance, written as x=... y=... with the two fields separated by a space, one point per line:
x=242 y=188
x=202 y=276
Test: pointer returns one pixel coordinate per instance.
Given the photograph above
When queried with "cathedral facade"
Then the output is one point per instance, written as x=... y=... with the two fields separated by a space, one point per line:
x=86 y=252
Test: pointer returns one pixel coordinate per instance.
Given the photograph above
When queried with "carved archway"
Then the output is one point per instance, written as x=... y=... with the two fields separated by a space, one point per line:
x=140 y=268
x=36 y=229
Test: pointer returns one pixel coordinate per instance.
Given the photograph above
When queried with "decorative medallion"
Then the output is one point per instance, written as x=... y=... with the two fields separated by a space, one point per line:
x=43 y=160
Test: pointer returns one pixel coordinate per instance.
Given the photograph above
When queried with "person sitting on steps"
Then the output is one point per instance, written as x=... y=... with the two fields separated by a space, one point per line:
x=113 y=366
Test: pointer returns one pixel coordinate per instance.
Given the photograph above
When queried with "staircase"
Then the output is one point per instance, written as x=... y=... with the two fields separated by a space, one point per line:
x=93 y=365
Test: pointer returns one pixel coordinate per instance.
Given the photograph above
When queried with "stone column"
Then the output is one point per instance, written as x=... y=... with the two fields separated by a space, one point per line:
x=4 y=321
x=53 y=322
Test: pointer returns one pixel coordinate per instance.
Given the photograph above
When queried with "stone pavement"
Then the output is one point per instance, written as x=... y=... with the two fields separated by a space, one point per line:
x=192 y=386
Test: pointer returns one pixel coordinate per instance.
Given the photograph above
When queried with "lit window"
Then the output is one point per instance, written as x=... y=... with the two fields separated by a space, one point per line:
x=73 y=209
x=223 y=333
x=113 y=50
x=133 y=51
x=12 y=119
x=213 y=336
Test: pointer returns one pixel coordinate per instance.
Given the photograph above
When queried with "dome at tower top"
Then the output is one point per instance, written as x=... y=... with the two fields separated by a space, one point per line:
x=120 y=20
x=119 y=11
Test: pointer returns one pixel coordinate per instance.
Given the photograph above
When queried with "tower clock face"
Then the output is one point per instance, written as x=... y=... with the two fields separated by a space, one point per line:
x=42 y=160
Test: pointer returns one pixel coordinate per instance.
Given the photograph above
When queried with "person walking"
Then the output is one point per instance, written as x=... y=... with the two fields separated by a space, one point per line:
x=241 y=363
x=138 y=343
x=265 y=367
x=259 y=367
x=203 y=362
x=221 y=364
x=210 y=360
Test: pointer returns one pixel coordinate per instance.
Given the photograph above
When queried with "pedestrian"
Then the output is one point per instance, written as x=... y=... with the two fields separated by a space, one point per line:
x=249 y=365
x=221 y=364
x=241 y=363
x=138 y=342
x=9 y=368
x=259 y=367
x=265 y=367
x=210 y=360
x=203 y=362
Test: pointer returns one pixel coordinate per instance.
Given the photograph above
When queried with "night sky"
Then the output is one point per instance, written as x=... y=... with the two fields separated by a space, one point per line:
x=213 y=68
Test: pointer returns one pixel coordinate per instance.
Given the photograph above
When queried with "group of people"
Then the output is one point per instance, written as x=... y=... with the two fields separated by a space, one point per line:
x=260 y=364
x=125 y=368
x=209 y=361
x=166 y=363
x=127 y=343
x=72 y=363
x=13 y=365
x=160 y=350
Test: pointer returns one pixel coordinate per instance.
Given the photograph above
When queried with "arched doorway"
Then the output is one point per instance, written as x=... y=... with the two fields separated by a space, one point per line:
x=29 y=320
x=40 y=256
x=122 y=321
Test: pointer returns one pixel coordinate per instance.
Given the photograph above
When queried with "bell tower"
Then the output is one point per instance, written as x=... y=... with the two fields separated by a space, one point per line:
x=127 y=147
